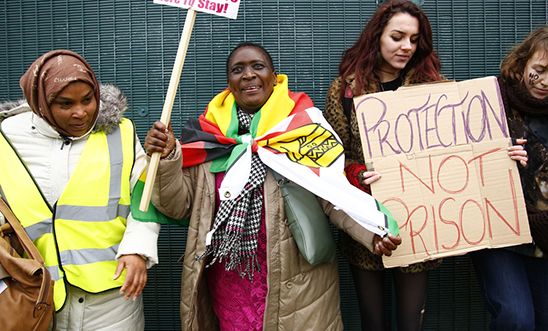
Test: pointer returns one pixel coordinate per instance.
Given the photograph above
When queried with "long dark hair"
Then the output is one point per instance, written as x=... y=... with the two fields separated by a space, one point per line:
x=362 y=58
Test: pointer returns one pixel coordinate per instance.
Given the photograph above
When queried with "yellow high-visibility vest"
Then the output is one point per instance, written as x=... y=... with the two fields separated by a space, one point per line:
x=78 y=237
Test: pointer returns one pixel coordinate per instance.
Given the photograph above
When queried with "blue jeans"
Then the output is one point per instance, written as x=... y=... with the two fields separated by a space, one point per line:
x=515 y=288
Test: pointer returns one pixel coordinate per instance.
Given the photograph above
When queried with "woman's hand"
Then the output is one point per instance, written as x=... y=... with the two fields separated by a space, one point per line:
x=160 y=139
x=370 y=177
x=385 y=245
x=136 y=275
x=518 y=152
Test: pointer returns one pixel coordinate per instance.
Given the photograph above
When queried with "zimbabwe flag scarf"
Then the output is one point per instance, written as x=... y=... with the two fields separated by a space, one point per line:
x=214 y=135
x=289 y=135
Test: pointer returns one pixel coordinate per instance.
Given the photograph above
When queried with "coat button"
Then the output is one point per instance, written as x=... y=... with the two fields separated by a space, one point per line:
x=227 y=194
x=81 y=300
x=289 y=285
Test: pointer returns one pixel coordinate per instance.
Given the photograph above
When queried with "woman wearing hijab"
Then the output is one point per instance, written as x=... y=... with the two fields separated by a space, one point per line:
x=72 y=160
x=242 y=269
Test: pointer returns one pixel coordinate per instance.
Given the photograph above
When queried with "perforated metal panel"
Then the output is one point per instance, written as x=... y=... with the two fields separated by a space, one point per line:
x=132 y=43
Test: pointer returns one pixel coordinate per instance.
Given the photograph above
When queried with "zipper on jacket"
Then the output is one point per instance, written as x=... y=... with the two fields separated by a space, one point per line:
x=66 y=141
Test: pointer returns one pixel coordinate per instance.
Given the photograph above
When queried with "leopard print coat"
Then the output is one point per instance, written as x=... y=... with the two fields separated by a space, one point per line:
x=357 y=254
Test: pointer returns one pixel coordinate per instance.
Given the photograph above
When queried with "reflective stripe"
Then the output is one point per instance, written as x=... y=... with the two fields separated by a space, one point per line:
x=92 y=214
x=113 y=209
x=111 y=156
x=89 y=255
x=39 y=229
x=116 y=158
x=54 y=272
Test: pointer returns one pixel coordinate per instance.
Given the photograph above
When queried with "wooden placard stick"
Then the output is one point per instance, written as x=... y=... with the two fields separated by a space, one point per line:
x=222 y=8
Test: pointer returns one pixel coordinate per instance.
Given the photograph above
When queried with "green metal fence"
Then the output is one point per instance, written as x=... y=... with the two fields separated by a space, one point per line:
x=132 y=43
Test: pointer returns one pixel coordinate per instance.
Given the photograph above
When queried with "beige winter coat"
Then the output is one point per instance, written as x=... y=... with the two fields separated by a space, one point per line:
x=300 y=296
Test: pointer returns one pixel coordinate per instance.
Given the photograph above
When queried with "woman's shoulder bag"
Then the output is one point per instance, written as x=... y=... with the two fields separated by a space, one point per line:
x=26 y=288
x=307 y=222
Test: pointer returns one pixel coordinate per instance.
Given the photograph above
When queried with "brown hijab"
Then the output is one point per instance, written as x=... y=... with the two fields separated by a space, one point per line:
x=50 y=74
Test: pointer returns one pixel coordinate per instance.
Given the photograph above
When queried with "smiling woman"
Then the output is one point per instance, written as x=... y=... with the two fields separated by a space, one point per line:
x=251 y=78
x=240 y=256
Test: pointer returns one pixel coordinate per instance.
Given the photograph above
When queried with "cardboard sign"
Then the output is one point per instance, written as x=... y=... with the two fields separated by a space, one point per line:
x=446 y=176
x=225 y=8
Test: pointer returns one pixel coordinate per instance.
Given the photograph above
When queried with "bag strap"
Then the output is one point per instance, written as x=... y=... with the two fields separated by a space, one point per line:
x=347 y=107
x=281 y=181
x=3 y=273
x=27 y=244
x=279 y=178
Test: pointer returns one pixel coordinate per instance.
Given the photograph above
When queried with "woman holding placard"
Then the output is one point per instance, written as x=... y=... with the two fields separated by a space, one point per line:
x=394 y=49
x=242 y=269
x=514 y=280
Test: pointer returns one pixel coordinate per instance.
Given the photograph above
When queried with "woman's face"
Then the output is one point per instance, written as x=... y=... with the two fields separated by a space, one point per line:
x=250 y=78
x=74 y=108
x=535 y=74
x=398 y=43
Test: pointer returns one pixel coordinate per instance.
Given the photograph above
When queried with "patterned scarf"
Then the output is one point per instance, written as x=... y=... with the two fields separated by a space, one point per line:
x=237 y=222
x=289 y=135
x=220 y=135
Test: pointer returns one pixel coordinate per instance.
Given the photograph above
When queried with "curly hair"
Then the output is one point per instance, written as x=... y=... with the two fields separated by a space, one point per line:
x=513 y=65
x=362 y=58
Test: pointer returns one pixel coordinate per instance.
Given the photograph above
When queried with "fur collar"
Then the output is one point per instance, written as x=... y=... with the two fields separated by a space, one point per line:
x=111 y=108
